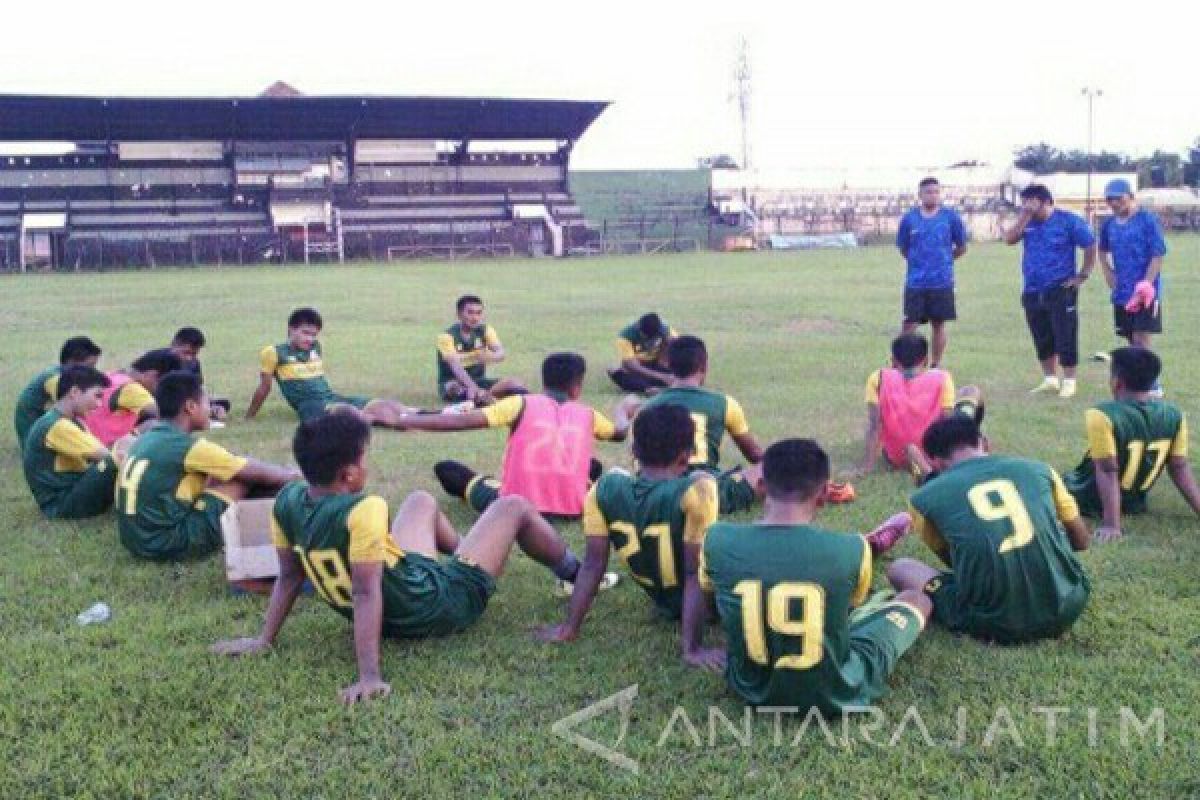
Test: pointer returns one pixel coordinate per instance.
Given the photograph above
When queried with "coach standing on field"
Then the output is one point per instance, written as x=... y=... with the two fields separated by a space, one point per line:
x=1051 y=283
x=931 y=238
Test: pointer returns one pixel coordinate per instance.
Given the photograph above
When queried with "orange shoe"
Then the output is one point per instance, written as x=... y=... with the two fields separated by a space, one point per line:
x=839 y=493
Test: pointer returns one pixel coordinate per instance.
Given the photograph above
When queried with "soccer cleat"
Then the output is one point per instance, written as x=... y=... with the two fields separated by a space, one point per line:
x=1101 y=356
x=838 y=493
x=567 y=588
x=1049 y=384
x=887 y=535
x=1067 y=390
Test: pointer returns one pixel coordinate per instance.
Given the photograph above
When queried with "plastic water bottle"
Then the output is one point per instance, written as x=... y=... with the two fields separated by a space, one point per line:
x=100 y=612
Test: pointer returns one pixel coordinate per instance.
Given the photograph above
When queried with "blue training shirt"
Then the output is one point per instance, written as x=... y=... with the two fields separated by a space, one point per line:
x=928 y=244
x=1049 y=256
x=1133 y=243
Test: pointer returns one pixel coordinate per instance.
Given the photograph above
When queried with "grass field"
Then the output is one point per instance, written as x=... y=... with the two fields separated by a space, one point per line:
x=138 y=708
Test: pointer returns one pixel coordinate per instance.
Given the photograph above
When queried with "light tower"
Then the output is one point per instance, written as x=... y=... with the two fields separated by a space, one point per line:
x=741 y=93
x=1091 y=93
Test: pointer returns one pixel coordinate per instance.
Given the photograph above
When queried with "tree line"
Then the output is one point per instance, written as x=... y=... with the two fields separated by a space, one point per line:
x=1160 y=170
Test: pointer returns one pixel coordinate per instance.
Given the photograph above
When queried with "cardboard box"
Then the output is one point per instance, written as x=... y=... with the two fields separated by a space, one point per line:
x=249 y=554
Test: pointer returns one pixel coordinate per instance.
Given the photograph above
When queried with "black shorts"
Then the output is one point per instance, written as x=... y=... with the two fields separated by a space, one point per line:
x=1148 y=320
x=1053 y=319
x=929 y=305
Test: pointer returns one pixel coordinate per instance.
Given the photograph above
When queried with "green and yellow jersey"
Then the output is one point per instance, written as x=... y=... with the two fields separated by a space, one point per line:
x=997 y=522
x=37 y=396
x=57 y=457
x=506 y=413
x=162 y=484
x=132 y=397
x=300 y=375
x=648 y=522
x=1142 y=436
x=714 y=414
x=333 y=532
x=632 y=343
x=871 y=392
x=469 y=346
x=785 y=594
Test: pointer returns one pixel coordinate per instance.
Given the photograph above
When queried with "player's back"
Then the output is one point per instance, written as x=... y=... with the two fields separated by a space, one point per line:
x=1016 y=573
x=709 y=411
x=33 y=401
x=785 y=594
x=1142 y=435
x=646 y=523
x=154 y=489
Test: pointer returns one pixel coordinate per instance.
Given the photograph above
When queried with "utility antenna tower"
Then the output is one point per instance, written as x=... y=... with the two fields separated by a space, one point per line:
x=742 y=91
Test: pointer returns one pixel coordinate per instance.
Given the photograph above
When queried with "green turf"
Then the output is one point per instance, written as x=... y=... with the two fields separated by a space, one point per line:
x=138 y=708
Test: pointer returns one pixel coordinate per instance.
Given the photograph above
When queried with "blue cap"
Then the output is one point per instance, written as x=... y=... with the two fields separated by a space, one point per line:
x=1118 y=187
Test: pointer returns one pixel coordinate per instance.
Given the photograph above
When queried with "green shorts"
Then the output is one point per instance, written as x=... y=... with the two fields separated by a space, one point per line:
x=879 y=636
x=317 y=407
x=195 y=535
x=90 y=496
x=424 y=597
x=452 y=392
x=957 y=617
x=734 y=492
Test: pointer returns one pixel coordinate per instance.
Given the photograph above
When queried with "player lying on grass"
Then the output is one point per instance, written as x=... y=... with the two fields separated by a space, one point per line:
x=790 y=596
x=464 y=351
x=387 y=583
x=904 y=400
x=42 y=391
x=1006 y=528
x=714 y=415
x=69 y=471
x=187 y=344
x=642 y=350
x=656 y=521
x=548 y=457
x=1131 y=440
x=174 y=487
x=297 y=367
x=128 y=402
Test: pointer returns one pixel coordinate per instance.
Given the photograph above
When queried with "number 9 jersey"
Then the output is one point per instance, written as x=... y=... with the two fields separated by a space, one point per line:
x=995 y=520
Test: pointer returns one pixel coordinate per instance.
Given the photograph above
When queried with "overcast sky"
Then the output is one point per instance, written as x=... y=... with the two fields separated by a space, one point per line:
x=835 y=83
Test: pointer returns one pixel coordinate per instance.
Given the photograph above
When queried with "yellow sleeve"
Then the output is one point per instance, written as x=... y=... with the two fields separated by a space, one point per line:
x=706 y=584
x=268 y=360
x=949 y=393
x=1179 y=447
x=68 y=439
x=368 y=524
x=699 y=506
x=490 y=337
x=50 y=387
x=1064 y=503
x=212 y=459
x=871 y=393
x=625 y=349
x=277 y=537
x=134 y=397
x=864 y=576
x=503 y=413
x=594 y=523
x=735 y=417
x=445 y=345
x=1101 y=442
x=603 y=428
x=930 y=535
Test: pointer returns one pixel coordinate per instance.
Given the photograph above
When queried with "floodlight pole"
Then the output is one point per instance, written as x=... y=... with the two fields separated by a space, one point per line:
x=1091 y=94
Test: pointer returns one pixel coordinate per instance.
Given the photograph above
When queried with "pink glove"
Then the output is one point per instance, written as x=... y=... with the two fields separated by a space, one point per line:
x=1143 y=297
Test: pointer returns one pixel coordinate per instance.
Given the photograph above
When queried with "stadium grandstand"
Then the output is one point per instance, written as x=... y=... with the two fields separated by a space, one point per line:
x=89 y=182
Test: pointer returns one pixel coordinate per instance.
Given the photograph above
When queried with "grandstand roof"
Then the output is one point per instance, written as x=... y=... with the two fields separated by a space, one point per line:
x=37 y=118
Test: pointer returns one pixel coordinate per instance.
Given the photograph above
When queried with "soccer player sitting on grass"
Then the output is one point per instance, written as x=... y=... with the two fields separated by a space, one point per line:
x=173 y=487
x=714 y=415
x=69 y=471
x=548 y=457
x=463 y=352
x=1007 y=530
x=387 y=583
x=904 y=400
x=187 y=344
x=1131 y=439
x=42 y=391
x=128 y=402
x=790 y=596
x=656 y=521
x=297 y=367
x=642 y=349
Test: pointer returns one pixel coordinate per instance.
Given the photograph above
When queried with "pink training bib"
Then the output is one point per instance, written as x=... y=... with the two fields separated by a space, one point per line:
x=104 y=423
x=907 y=407
x=548 y=455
